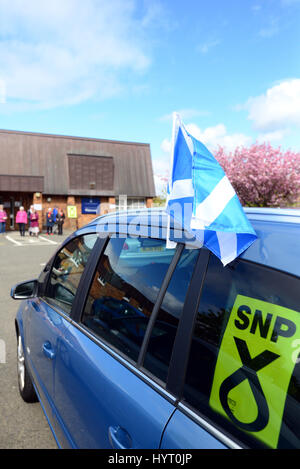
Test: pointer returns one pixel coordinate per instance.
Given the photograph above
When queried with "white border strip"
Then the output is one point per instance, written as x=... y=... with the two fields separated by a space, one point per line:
x=214 y=204
x=49 y=240
x=182 y=188
x=13 y=241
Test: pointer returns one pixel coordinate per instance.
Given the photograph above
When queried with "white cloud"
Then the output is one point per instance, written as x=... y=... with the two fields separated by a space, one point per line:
x=161 y=167
x=2 y=91
x=289 y=2
x=185 y=114
x=256 y=8
x=217 y=135
x=166 y=145
x=64 y=52
x=271 y=28
x=275 y=136
x=212 y=137
x=207 y=46
x=278 y=109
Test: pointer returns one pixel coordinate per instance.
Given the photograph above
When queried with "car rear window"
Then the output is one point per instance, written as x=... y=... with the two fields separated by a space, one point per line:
x=244 y=368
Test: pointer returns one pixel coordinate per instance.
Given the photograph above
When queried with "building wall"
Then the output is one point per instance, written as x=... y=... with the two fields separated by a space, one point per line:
x=63 y=202
x=107 y=205
x=35 y=169
x=46 y=201
x=45 y=156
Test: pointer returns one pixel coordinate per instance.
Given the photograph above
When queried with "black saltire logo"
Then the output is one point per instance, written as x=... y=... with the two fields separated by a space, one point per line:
x=248 y=372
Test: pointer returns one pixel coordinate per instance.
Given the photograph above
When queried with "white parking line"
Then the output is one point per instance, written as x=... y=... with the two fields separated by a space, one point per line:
x=13 y=241
x=49 y=240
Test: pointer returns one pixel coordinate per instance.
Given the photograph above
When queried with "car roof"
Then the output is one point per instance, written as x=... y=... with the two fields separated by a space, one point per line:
x=278 y=231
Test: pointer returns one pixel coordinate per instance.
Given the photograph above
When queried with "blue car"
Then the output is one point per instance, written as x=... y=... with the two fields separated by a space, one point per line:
x=129 y=345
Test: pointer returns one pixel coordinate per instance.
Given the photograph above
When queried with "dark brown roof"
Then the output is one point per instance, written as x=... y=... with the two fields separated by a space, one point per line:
x=46 y=155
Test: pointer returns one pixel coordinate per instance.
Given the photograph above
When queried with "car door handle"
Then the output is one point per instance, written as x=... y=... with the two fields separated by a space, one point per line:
x=48 y=350
x=119 y=438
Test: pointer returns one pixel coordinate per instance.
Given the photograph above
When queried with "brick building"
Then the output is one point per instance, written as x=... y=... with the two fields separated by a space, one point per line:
x=83 y=176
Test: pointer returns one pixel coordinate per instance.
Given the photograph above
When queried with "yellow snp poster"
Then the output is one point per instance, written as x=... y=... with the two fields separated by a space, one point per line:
x=72 y=211
x=255 y=364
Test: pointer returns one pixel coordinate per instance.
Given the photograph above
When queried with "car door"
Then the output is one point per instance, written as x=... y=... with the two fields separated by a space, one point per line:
x=242 y=374
x=43 y=327
x=112 y=365
x=47 y=318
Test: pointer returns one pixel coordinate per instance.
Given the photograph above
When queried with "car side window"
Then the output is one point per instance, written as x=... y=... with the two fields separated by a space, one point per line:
x=67 y=270
x=244 y=366
x=124 y=289
x=163 y=334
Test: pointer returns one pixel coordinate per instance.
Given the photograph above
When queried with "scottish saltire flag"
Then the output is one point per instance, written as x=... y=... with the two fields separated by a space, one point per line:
x=202 y=200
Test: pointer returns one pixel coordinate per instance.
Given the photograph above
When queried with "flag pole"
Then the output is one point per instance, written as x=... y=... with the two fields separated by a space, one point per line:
x=171 y=244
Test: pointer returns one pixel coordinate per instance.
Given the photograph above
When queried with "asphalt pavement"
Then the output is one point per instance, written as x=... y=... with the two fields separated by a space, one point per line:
x=22 y=425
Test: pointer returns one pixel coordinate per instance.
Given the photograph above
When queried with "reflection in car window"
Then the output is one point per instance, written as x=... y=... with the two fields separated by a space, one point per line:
x=67 y=269
x=162 y=338
x=244 y=367
x=124 y=289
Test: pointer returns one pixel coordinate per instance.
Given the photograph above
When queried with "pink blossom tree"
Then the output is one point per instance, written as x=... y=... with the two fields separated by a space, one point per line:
x=262 y=175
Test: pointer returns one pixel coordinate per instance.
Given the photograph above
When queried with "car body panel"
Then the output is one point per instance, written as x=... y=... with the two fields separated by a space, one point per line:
x=95 y=394
x=43 y=328
x=95 y=398
x=183 y=432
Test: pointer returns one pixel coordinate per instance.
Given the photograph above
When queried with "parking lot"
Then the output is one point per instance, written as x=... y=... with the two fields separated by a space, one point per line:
x=22 y=425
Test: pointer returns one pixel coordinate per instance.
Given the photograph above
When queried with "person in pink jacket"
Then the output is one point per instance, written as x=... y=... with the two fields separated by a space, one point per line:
x=3 y=218
x=21 y=219
x=34 y=223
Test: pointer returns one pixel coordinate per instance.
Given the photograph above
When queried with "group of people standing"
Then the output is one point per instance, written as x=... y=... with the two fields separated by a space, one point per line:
x=54 y=221
x=22 y=219
x=55 y=218
x=31 y=217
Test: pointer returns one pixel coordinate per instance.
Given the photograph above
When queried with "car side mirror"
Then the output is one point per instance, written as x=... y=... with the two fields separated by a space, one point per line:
x=24 y=290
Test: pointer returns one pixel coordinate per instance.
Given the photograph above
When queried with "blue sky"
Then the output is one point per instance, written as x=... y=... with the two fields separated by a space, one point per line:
x=118 y=69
